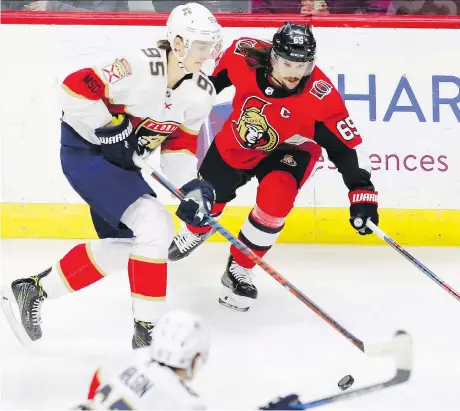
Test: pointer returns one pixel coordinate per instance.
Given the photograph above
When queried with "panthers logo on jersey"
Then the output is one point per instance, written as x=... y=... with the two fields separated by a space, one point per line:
x=152 y=133
x=252 y=130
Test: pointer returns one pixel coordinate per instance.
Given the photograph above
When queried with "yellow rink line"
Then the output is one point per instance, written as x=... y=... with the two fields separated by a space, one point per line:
x=303 y=226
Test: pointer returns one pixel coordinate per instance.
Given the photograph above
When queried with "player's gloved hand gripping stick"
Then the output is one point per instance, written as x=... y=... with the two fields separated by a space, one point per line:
x=256 y=259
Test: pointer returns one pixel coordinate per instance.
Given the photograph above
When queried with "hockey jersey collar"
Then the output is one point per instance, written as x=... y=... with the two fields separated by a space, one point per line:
x=276 y=92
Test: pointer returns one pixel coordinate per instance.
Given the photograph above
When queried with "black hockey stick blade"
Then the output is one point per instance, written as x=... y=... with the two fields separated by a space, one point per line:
x=400 y=349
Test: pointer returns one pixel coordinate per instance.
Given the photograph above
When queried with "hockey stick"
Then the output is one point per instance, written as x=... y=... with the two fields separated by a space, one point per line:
x=412 y=259
x=255 y=258
x=400 y=349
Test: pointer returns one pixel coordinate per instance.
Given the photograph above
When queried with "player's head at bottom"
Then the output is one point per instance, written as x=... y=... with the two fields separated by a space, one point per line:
x=180 y=341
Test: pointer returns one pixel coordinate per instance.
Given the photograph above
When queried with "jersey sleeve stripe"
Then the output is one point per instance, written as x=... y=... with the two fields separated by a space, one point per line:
x=189 y=130
x=95 y=383
x=184 y=151
x=86 y=84
x=71 y=92
x=180 y=141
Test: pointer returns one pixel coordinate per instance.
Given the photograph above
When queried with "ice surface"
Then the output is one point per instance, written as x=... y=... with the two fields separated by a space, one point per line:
x=276 y=348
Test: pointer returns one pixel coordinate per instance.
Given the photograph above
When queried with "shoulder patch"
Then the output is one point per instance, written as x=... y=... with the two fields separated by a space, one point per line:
x=320 y=89
x=116 y=71
x=244 y=42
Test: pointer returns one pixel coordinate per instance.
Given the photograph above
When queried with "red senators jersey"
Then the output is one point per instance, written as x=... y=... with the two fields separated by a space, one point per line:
x=265 y=118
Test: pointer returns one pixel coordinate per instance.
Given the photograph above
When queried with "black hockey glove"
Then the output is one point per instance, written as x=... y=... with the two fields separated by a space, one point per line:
x=364 y=205
x=282 y=403
x=118 y=142
x=198 y=202
x=85 y=406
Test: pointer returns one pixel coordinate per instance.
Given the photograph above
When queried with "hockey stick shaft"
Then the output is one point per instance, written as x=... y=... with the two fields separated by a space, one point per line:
x=256 y=259
x=430 y=274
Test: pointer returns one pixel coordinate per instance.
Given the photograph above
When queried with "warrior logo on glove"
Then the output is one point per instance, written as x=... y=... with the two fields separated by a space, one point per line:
x=363 y=206
x=252 y=130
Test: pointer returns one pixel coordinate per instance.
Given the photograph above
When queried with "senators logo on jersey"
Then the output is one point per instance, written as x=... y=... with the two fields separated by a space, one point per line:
x=320 y=89
x=152 y=133
x=242 y=43
x=289 y=160
x=252 y=130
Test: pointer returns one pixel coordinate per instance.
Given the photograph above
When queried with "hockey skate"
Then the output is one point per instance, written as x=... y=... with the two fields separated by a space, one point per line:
x=142 y=334
x=29 y=296
x=185 y=242
x=238 y=288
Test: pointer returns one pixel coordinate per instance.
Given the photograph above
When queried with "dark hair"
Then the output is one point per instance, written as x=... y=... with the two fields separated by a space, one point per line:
x=258 y=56
x=164 y=45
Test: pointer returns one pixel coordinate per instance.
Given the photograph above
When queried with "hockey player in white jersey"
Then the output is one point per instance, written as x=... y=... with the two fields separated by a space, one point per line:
x=156 y=377
x=156 y=98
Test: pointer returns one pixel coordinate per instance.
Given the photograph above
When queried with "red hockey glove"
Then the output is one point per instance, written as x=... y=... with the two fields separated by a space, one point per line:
x=363 y=205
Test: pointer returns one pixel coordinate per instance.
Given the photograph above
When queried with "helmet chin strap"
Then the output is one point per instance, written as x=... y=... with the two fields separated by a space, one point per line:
x=181 y=64
x=180 y=60
x=274 y=59
x=196 y=365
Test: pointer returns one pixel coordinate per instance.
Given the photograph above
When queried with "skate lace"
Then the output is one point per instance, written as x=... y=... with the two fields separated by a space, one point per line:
x=186 y=240
x=36 y=311
x=241 y=274
x=147 y=327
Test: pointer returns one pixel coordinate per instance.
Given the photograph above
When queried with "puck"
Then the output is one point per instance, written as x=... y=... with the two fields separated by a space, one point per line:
x=346 y=382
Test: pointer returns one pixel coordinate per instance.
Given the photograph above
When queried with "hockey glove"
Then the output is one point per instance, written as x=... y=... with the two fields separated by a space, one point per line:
x=364 y=204
x=86 y=406
x=282 y=403
x=118 y=142
x=198 y=202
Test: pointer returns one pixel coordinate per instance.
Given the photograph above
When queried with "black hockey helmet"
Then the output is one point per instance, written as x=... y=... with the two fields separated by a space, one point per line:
x=295 y=42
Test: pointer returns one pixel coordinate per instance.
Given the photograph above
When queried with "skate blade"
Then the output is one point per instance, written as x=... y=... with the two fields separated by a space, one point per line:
x=234 y=302
x=6 y=299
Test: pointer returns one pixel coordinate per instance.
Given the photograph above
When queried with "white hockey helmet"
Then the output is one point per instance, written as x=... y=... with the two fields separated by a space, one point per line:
x=191 y=22
x=177 y=338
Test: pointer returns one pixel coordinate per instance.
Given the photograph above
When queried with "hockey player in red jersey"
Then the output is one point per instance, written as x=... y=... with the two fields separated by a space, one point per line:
x=151 y=99
x=285 y=111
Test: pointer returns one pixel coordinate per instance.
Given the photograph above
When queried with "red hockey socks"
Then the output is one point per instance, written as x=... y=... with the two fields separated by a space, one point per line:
x=275 y=199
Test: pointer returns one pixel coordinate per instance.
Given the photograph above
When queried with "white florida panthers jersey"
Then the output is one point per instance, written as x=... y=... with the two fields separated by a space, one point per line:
x=142 y=384
x=136 y=85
